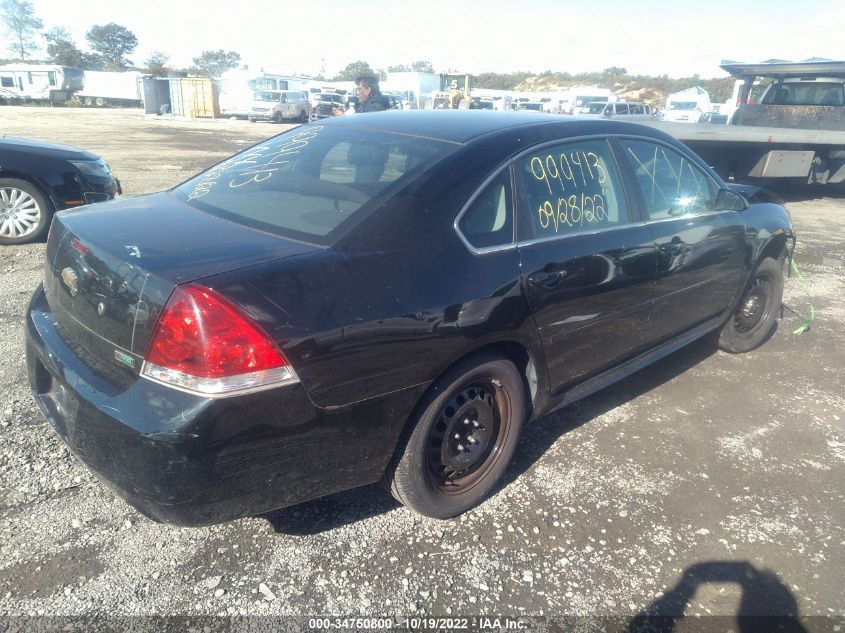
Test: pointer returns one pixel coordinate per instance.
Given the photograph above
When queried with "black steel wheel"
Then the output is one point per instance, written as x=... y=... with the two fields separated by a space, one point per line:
x=755 y=316
x=460 y=441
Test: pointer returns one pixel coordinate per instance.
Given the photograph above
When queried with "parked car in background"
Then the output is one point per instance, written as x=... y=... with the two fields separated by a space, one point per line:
x=323 y=104
x=394 y=100
x=629 y=111
x=250 y=339
x=38 y=178
x=279 y=105
x=713 y=117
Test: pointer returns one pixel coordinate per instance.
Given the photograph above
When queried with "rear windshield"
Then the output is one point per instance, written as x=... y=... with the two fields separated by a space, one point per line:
x=812 y=93
x=683 y=105
x=311 y=182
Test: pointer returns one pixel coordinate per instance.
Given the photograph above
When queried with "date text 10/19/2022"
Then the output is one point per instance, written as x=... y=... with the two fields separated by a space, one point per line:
x=475 y=623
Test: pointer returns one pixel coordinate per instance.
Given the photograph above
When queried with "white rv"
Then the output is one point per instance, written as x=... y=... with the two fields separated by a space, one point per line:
x=39 y=82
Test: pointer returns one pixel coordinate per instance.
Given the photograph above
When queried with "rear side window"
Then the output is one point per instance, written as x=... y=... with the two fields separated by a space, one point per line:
x=671 y=184
x=310 y=182
x=489 y=221
x=571 y=188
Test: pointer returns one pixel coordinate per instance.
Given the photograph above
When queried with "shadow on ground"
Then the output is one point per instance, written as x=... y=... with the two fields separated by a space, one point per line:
x=766 y=604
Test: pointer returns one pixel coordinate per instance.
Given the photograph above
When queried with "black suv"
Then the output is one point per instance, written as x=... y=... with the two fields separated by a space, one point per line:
x=37 y=179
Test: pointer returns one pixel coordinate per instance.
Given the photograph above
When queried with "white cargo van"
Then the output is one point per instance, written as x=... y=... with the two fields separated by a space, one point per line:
x=279 y=105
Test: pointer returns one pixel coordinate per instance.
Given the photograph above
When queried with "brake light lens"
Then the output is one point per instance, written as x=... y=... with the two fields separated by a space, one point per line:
x=203 y=344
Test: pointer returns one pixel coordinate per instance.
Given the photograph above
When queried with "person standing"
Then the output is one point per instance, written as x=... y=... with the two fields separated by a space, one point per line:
x=370 y=98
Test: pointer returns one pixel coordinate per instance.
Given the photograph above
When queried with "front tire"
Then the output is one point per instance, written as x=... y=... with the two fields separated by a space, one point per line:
x=25 y=212
x=461 y=438
x=756 y=313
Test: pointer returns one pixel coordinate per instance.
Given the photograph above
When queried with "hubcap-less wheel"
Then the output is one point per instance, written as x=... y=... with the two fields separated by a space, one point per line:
x=464 y=442
x=753 y=305
x=19 y=213
x=755 y=315
x=460 y=438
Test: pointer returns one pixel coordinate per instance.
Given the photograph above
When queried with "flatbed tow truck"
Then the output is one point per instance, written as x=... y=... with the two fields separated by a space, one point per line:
x=796 y=131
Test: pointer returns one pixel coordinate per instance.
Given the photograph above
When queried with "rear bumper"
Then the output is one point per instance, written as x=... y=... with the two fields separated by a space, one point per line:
x=189 y=460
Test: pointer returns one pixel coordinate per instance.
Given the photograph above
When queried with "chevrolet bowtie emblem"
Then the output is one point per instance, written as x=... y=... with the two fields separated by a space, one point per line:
x=71 y=280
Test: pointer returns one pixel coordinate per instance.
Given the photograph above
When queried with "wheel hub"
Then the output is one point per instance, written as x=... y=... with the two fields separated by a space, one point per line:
x=752 y=306
x=464 y=435
x=468 y=435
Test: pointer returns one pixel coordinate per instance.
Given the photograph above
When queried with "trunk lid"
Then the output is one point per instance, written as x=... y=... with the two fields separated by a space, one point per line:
x=111 y=268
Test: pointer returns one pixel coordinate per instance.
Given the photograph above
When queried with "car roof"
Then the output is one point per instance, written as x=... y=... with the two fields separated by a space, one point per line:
x=461 y=126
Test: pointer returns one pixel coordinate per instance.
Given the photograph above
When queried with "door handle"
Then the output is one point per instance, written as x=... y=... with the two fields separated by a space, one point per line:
x=548 y=279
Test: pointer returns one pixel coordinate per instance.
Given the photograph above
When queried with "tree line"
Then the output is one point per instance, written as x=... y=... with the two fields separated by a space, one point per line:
x=111 y=45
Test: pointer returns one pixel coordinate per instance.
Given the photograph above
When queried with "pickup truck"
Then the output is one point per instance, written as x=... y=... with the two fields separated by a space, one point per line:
x=796 y=130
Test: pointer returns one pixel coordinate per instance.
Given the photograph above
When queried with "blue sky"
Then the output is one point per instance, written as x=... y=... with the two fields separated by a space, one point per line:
x=675 y=38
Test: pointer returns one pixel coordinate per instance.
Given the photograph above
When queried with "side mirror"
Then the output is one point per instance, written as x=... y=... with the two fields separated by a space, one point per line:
x=608 y=113
x=728 y=200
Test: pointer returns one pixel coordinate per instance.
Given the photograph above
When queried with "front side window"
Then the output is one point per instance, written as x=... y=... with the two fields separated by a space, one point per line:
x=310 y=181
x=671 y=184
x=683 y=105
x=267 y=96
x=571 y=188
x=489 y=221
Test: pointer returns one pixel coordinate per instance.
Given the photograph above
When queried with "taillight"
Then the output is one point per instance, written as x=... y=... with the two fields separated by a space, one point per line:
x=203 y=344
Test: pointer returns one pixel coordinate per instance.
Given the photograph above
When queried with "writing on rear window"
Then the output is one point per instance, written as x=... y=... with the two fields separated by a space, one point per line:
x=256 y=165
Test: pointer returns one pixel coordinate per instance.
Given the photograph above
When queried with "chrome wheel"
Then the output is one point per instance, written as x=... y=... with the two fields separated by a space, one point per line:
x=20 y=213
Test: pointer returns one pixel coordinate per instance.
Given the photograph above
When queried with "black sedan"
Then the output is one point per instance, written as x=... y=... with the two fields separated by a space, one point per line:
x=387 y=296
x=38 y=178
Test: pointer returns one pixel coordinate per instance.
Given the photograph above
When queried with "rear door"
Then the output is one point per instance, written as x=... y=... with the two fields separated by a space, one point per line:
x=588 y=262
x=701 y=248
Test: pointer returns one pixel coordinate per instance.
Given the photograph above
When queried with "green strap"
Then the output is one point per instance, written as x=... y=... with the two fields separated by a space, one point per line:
x=805 y=326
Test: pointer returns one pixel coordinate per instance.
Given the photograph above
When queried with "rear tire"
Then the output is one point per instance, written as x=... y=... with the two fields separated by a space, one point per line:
x=25 y=212
x=756 y=313
x=461 y=438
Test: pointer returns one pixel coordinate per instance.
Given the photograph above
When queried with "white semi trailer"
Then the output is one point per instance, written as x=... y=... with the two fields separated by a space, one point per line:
x=101 y=88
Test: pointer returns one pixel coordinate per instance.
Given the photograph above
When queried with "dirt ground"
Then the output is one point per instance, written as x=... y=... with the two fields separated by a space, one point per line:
x=708 y=484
